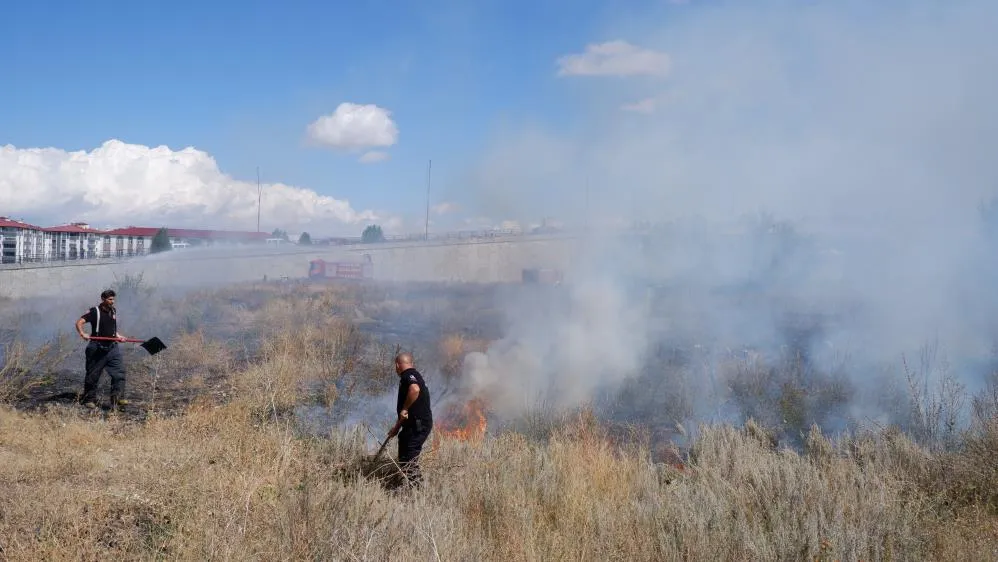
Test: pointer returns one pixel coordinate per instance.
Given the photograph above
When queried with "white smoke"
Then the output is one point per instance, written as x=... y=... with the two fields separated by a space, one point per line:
x=561 y=353
x=867 y=125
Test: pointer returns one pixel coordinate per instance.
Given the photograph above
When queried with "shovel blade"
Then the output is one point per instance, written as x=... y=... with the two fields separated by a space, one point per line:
x=153 y=346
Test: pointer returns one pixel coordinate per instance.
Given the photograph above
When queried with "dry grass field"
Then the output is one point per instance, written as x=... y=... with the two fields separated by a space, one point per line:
x=210 y=464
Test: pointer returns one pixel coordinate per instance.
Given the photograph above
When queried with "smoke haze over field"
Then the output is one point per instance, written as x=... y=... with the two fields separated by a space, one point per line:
x=838 y=114
x=867 y=126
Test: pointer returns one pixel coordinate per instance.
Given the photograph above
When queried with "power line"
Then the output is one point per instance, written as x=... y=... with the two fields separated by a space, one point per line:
x=259 y=198
x=426 y=227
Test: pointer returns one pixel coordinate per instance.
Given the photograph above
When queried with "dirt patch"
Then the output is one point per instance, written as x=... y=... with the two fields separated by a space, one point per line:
x=150 y=387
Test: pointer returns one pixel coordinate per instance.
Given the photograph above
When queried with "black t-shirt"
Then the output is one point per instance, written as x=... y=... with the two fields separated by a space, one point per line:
x=103 y=323
x=420 y=409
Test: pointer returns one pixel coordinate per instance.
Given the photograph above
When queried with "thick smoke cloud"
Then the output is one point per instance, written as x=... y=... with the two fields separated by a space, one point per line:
x=125 y=184
x=863 y=130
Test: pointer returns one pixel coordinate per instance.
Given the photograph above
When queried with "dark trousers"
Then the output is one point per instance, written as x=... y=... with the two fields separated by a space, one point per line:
x=101 y=357
x=411 y=439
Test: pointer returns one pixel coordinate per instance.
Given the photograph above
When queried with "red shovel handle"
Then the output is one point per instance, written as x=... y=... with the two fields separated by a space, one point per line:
x=99 y=338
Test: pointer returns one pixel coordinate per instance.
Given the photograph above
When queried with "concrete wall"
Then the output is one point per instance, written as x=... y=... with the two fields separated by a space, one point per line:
x=483 y=261
x=496 y=260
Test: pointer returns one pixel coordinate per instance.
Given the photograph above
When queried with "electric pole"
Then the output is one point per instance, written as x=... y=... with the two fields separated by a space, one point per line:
x=259 y=198
x=426 y=227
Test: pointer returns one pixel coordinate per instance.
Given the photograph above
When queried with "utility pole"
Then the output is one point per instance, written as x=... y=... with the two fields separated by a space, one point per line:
x=259 y=198
x=426 y=227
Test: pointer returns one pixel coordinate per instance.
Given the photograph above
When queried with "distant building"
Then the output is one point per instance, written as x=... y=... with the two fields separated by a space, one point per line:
x=75 y=241
x=139 y=238
x=21 y=242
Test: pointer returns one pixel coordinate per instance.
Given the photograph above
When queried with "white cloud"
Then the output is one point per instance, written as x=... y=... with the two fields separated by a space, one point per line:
x=614 y=58
x=355 y=127
x=127 y=184
x=646 y=105
x=444 y=208
x=373 y=157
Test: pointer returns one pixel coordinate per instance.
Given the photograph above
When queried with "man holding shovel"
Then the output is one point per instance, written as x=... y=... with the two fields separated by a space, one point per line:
x=103 y=353
x=415 y=420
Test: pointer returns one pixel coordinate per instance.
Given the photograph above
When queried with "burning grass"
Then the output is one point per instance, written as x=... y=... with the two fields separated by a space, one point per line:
x=231 y=474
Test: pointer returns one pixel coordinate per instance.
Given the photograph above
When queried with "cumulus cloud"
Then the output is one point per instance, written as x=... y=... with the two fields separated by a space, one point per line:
x=127 y=184
x=614 y=58
x=374 y=156
x=353 y=127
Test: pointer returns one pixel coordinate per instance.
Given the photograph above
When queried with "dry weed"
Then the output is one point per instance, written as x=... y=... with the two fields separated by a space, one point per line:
x=237 y=480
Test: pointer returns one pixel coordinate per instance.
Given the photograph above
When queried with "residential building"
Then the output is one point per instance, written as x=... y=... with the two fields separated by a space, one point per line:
x=137 y=239
x=20 y=241
x=74 y=241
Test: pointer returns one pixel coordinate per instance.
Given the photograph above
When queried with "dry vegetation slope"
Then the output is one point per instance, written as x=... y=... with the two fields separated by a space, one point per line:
x=233 y=479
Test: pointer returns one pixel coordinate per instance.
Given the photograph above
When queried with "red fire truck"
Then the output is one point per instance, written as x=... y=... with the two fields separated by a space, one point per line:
x=322 y=269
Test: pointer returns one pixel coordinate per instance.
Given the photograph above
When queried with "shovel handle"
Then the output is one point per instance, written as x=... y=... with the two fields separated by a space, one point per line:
x=101 y=338
x=382 y=449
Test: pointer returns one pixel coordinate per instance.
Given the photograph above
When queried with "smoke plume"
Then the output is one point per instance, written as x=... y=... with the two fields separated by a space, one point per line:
x=811 y=176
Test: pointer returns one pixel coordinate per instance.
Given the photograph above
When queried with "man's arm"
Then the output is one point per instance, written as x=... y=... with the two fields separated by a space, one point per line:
x=79 y=326
x=410 y=398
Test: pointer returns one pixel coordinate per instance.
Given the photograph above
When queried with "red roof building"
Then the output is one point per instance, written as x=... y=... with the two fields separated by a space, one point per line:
x=74 y=228
x=21 y=242
x=193 y=234
x=11 y=223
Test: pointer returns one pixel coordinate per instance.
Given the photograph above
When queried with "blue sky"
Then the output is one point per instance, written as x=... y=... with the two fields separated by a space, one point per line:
x=702 y=108
x=242 y=80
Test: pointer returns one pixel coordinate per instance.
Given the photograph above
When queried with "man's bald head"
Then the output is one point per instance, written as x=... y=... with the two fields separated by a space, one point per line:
x=403 y=361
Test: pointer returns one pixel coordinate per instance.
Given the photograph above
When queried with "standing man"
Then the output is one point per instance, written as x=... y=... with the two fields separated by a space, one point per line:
x=415 y=420
x=101 y=354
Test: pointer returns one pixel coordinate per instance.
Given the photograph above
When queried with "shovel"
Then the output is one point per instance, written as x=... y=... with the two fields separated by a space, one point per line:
x=381 y=450
x=153 y=346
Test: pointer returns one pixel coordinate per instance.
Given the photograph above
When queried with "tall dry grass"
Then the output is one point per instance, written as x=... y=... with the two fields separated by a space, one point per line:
x=238 y=480
x=219 y=483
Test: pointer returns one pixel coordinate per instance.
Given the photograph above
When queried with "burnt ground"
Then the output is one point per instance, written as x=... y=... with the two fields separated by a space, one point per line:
x=148 y=389
x=416 y=317
x=411 y=315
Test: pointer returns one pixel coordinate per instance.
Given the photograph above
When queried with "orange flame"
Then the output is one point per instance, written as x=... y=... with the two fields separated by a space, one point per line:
x=466 y=422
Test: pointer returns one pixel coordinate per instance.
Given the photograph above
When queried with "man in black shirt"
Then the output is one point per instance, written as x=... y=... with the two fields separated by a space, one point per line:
x=101 y=355
x=415 y=419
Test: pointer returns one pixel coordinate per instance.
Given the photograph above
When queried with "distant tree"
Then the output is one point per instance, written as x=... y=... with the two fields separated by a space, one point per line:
x=372 y=234
x=305 y=239
x=282 y=234
x=160 y=242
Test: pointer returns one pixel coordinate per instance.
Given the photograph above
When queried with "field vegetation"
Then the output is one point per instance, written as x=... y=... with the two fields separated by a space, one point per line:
x=212 y=461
